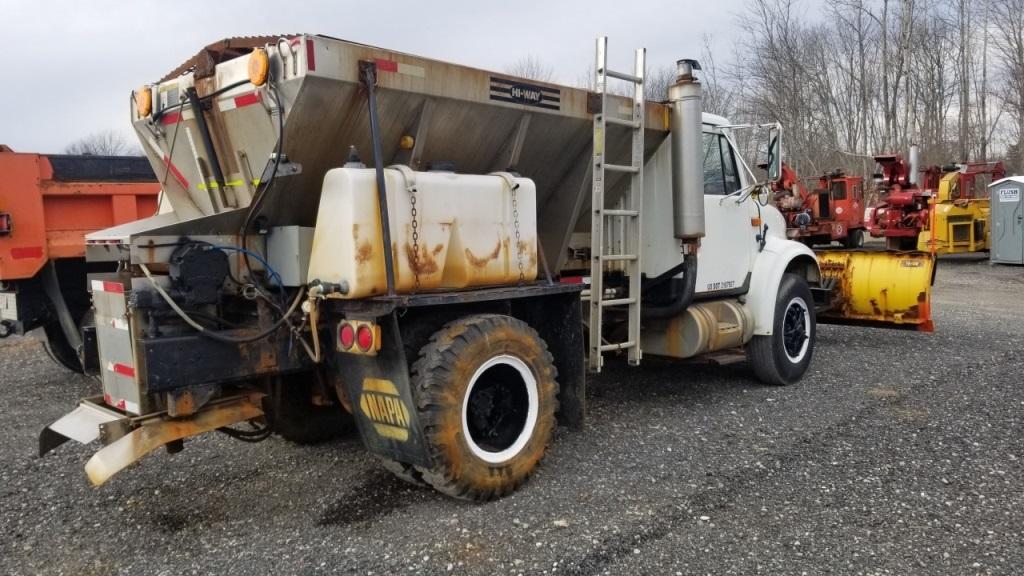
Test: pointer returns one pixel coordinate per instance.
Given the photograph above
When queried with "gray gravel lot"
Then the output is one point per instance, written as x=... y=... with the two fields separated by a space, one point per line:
x=899 y=453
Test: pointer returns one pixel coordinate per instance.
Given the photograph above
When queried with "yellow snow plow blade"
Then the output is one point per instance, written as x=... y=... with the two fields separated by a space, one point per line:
x=886 y=289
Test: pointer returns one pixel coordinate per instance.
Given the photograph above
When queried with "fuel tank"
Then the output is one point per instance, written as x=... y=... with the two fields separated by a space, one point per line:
x=463 y=231
x=702 y=327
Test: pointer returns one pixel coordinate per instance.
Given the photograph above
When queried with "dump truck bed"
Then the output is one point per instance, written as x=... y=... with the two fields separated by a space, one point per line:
x=48 y=203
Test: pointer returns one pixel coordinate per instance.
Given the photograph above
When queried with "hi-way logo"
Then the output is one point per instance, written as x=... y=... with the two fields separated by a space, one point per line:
x=525 y=93
x=508 y=90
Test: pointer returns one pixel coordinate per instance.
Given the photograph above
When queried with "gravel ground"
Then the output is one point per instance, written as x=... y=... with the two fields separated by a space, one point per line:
x=898 y=453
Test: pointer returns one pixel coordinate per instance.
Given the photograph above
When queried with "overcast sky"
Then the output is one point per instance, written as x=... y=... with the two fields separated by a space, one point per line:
x=70 y=66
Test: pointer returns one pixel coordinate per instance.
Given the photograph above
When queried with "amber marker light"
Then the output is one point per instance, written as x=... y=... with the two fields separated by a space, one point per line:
x=143 y=101
x=259 y=66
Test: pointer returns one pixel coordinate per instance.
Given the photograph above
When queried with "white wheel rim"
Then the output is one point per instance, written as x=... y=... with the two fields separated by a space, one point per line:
x=529 y=382
x=799 y=356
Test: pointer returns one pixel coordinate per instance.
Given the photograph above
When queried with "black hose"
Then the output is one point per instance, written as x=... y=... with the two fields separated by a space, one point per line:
x=685 y=297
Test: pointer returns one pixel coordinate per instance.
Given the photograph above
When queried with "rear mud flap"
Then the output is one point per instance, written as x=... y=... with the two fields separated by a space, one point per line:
x=882 y=289
x=382 y=403
x=128 y=439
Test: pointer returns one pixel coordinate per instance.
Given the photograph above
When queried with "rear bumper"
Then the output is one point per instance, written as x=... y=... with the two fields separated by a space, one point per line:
x=128 y=438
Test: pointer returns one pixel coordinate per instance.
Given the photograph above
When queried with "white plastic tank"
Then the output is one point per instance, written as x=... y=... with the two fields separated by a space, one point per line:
x=467 y=231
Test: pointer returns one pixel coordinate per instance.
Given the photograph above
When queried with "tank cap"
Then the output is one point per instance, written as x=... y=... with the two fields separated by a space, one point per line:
x=353 y=160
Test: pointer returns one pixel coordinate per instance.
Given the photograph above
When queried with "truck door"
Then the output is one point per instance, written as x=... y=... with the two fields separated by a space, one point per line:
x=726 y=252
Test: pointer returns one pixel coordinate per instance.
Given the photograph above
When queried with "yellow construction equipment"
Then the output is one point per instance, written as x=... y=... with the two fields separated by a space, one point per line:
x=959 y=217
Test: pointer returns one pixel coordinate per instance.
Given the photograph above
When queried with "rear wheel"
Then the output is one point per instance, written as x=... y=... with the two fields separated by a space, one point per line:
x=854 y=239
x=783 y=357
x=59 y=349
x=486 y=394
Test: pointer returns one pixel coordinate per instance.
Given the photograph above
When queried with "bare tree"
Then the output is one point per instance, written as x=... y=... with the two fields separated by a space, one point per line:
x=718 y=92
x=531 y=67
x=1008 y=39
x=103 y=143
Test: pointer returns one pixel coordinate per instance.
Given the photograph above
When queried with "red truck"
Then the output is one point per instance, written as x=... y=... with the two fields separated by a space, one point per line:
x=832 y=212
x=48 y=203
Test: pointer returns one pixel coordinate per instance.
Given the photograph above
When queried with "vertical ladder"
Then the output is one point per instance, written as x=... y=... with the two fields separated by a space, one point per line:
x=625 y=216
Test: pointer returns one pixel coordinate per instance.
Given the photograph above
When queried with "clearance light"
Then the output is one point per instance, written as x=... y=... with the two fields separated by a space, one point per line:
x=259 y=66
x=143 y=101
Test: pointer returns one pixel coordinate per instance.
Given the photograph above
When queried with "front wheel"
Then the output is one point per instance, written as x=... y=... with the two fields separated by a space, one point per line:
x=486 y=393
x=784 y=356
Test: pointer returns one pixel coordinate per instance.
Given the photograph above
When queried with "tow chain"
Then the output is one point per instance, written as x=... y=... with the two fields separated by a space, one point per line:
x=514 y=187
x=415 y=242
x=410 y=186
x=519 y=245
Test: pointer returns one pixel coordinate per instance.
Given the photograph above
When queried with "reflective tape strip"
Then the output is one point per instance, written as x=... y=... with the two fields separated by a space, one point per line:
x=112 y=287
x=27 y=252
x=177 y=173
x=214 y=186
x=400 y=68
x=122 y=369
x=242 y=101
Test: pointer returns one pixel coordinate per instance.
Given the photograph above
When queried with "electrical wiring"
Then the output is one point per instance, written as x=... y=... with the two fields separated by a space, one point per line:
x=160 y=113
x=215 y=335
x=261 y=194
x=274 y=275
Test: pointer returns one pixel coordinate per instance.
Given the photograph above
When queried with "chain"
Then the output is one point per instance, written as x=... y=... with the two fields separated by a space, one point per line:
x=415 y=241
x=519 y=245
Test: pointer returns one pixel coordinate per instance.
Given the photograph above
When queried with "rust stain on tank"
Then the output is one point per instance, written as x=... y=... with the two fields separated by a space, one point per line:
x=478 y=262
x=364 y=252
x=438 y=249
x=424 y=265
x=527 y=249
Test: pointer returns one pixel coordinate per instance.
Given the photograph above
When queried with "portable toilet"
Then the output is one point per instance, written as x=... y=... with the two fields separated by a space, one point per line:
x=1007 y=242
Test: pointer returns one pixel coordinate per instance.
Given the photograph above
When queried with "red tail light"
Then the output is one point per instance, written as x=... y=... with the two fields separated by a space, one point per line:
x=346 y=336
x=359 y=337
x=364 y=337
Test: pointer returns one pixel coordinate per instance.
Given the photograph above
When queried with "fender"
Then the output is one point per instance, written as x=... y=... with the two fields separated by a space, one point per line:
x=778 y=257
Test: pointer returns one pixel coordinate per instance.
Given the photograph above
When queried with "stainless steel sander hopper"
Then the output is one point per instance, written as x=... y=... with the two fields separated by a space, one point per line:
x=432 y=114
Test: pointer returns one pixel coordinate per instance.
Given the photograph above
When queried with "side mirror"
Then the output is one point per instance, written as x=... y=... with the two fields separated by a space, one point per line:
x=774 y=148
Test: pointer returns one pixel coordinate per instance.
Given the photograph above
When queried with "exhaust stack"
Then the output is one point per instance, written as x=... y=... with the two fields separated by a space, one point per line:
x=687 y=166
x=915 y=165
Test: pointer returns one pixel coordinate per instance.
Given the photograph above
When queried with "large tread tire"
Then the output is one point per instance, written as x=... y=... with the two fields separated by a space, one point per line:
x=406 y=472
x=296 y=419
x=468 y=386
x=768 y=354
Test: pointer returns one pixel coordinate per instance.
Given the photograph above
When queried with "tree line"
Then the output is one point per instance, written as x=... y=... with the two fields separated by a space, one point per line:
x=855 y=78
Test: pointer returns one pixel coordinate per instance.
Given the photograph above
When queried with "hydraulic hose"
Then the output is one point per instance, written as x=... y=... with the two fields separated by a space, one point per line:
x=685 y=297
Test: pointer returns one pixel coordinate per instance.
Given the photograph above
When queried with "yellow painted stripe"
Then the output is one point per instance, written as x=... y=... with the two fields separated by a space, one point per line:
x=213 y=185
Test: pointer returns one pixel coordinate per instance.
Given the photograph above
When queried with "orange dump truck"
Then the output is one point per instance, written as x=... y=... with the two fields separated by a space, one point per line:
x=48 y=203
